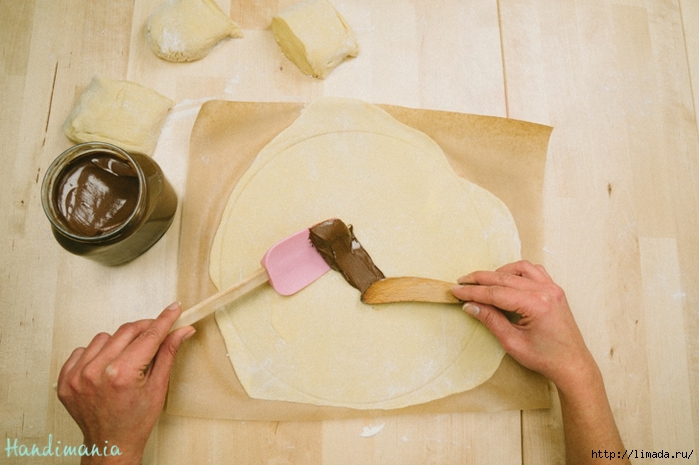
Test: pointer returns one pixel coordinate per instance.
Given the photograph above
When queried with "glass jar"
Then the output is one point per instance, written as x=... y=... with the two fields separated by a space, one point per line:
x=106 y=204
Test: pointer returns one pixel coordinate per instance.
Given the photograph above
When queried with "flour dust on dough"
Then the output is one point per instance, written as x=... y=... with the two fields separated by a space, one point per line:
x=351 y=160
x=187 y=30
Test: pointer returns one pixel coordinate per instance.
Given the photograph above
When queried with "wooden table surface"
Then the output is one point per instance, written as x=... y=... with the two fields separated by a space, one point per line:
x=619 y=82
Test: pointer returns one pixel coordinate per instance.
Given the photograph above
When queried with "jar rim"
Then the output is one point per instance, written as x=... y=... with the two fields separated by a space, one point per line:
x=57 y=167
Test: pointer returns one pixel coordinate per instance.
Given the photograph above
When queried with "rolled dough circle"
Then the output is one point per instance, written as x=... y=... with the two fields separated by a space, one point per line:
x=351 y=160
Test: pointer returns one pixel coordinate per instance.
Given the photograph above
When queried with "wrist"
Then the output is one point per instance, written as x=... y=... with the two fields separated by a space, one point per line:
x=580 y=378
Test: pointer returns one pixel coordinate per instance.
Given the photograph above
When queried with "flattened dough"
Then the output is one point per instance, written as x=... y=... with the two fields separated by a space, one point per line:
x=122 y=113
x=187 y=30
x=349 y=159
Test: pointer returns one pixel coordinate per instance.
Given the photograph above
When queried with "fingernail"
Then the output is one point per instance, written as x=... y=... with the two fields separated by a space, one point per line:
x=471 y=309
x=189 y=334
x=456 y=287
x=174 y=306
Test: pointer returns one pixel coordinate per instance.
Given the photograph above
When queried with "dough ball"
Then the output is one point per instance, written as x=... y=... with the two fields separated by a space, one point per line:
x=314 y=36
x=187 y=30
x=122 y=113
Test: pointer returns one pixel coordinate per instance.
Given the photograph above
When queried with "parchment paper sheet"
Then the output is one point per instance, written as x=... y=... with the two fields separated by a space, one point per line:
x=505 y=156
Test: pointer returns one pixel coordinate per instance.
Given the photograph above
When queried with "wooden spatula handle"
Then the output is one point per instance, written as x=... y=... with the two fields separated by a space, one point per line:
x=218 y=300
x=409 y=289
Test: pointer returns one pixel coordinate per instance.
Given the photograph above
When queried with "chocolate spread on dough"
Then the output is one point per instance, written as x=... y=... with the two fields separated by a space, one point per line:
x=340 y=249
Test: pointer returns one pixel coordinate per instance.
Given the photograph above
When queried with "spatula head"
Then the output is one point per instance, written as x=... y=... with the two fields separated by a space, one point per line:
x=293 y=263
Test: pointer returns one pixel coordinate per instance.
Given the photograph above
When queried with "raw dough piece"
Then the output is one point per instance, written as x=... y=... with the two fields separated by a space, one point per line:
x=187 y=30
x=122 y=113
x=415 y=217
x=314 y=36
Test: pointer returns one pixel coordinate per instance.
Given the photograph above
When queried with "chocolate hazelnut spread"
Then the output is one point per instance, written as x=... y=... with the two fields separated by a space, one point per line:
x=340 y=249
x=106 y=204
x=97 y=194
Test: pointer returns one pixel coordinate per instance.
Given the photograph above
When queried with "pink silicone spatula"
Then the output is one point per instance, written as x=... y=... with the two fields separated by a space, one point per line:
x=289 y=266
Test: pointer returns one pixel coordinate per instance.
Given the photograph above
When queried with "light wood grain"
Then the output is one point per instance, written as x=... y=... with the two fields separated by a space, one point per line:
x=618 y=81
x=621 y=105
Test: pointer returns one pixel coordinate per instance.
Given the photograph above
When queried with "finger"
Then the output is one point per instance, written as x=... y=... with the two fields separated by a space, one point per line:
x=525 y=269
x=65 y=373
x=70 y=362
x=160 y=370
x=497 y=278
x=544 y=272
x=478 y=277
x=121 y=339
x=91 y=351
x=494 y=320
x=502 y=297
x=140 y=353
x=76 y=363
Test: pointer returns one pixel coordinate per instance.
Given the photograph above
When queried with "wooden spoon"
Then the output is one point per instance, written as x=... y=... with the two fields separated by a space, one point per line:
x=409 y=289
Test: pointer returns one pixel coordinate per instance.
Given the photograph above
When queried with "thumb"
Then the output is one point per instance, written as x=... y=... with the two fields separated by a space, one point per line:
x=492 y=318
x=165 y=357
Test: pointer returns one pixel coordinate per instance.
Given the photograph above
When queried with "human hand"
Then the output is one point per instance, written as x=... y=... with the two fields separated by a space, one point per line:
x=115 y=387
x=546 y=338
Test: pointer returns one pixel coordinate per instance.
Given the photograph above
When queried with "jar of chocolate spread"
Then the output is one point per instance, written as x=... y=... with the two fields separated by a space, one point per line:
x=106 y=204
